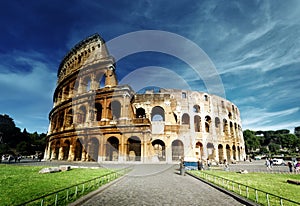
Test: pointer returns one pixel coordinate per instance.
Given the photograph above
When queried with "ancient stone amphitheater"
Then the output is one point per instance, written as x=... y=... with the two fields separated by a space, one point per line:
x=95 y=119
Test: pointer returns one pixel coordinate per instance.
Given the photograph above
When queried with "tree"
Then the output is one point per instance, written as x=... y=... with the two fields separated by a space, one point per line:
x=251 y=141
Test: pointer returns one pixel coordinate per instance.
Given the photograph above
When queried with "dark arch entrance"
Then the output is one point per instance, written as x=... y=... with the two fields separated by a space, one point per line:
x=228 y=151
x=210 y=151
x=159 y=149
x=66 y=149
x=134 y=148
x=177 y=150
x=220 y=151
x=140 y=113
x=93 y=149
x=112 y=149
x=78 y=150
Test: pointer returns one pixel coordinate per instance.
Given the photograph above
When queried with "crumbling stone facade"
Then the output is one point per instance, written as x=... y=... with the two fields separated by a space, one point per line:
x=95 y=119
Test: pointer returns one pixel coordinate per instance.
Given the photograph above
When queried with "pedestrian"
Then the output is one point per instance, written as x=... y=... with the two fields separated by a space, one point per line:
x=200 y=165
x=268 y=164
x=290 y=165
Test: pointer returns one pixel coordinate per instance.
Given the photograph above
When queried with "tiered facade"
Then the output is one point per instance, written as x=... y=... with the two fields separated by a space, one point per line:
x=95 y=119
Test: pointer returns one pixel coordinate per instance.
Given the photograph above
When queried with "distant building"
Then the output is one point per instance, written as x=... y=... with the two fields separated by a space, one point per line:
x=95 y=119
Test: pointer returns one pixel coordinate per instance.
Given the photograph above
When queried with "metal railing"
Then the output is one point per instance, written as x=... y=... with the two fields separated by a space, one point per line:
x=72 y=193
x=256 y=195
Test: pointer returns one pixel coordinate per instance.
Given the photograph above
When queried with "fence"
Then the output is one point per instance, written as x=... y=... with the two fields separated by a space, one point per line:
x=258 y=196
x=72 y=193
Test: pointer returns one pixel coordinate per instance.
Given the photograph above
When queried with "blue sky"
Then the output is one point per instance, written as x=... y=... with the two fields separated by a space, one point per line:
x=254 y=45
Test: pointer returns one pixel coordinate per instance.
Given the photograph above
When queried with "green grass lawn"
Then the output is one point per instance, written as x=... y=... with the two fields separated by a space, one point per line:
x=22 y=183
x=272 y=183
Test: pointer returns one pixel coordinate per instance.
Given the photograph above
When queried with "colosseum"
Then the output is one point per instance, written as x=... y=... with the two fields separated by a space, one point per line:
x=95 y=119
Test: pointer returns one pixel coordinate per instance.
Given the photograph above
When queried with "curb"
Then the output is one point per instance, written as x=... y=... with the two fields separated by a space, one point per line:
x=232 y=194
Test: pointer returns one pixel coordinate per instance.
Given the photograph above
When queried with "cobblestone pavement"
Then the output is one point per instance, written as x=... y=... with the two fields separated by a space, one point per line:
x=159 y=185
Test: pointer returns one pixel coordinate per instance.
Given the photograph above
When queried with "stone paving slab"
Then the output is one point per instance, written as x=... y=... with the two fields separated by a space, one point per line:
x=158 y=185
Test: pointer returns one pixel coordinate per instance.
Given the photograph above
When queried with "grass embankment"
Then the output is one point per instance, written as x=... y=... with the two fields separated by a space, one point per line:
x=275 y=184
x=23 y=183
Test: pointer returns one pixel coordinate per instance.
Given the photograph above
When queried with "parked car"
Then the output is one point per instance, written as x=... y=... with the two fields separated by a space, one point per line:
x=278 y=162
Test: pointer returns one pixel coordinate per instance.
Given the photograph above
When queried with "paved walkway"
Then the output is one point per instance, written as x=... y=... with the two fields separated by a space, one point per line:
x=159 y=185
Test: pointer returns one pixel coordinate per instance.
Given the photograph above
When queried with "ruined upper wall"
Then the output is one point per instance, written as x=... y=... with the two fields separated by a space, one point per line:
x=88 y=51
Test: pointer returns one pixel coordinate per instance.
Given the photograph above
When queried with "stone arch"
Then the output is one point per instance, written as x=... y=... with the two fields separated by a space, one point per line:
x=112 y=149
x=159 y=149
x=197 y=123
x=231 y=130
x=199 y=150
x=157 y=114
x=140 y=113
x=210 y=151
x=225 y=127
x=98 y=108
x=238 y=153
x=134 y=148
x=185 y=119
x=56 y=150
x=78 y=150
x=217 y=122
x=101 y=79
x=66 y=92
x=177 y=150
x=228 y=153
x=220 y=152
x=196 y=108
x=81 y=115
x=234 y=152
x=93 y=149
x=207 y=123
x=86 y=84
x=69 y=118
x=66 y=149
x=115 y=108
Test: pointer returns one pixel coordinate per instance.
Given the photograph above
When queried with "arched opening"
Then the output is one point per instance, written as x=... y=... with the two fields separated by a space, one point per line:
x=98 y=108
x=228 y=152
x=185 y=119
x=66 y=92
x=210 y=151
x=177 y=150
x=234 y=152
x=61 y=120
x=238 y=154
x=112 y=149
x=115 y=107
x=197 y=123
x=86 y=84
x=196 y=108
x=157 y=114
x=101 y=80
x=78 y=150
x=220 y=151
x=69 y=119
x=199 y=150
x=93 y=148
x=207 y=123
x=159 y=149
x=217 y=122
x=134 y=149
x=57 y=146
x=66 y=149
x=81 y=115
x=140 y=113
x=231 y=130
x=225 y=127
